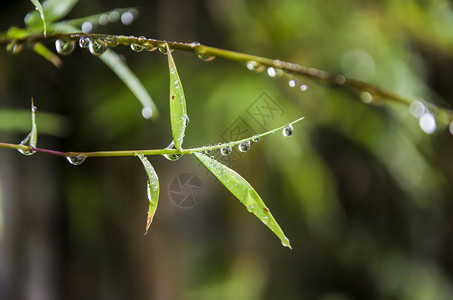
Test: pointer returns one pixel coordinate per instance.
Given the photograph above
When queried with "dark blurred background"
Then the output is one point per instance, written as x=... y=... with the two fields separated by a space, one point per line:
x=364 y=195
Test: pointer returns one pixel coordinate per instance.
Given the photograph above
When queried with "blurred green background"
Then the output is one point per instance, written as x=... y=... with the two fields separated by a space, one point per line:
x=364 y=195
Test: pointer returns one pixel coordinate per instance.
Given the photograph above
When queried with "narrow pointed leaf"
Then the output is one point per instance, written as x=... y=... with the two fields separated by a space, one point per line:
x=38 y=6
x=47 y=54
x=178 y=111
x=53 y=9
x=113 y=61
x=153 y=189
x=240 y=188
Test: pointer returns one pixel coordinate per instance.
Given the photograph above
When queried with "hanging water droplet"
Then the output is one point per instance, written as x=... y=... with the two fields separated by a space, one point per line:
x=226 y=150
x=285 y=243
x=172 y=157
x=97 y=47
x=256 y=138
x=163 y=49
x=206 y=57
x=208 y=151
x=136 y=47
x=271 y=72
x=76 y=160
x=292 y=83
x=366 y=97
x=111 y=41
x=147 y=112
x=244 y=146
x=186 y=120
x=64 y=47
x=303 y=87
x=288 y=130
x=254 y=66
x=427 y=123
x=149 y=46
x=84 y=42
x=26 y=142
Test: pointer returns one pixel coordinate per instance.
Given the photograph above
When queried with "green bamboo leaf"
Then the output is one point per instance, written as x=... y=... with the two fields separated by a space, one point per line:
x=113 y=61
x=38 y=7
x=178 y=112
x=53 y=9
x=32 y=137
x=240 y=188
x=153 y=189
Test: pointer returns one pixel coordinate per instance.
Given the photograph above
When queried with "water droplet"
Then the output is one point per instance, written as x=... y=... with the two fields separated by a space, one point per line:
x=186 y=120
x=208 y=151
x=244 y=147
x=97 y=47
x=136 y=47
x=114 y=16
x=226 y=150
x=87 y=27
x=417 y=109
x=172 y=157
x=366 y=97
x=148 y=46
x=76 y=160
x=103 y=20
x=127 y=18
x=285 y=242
x=288 y=130
x=26 y=142
x=84 y=42
x=256 y=138
x=250 y=208
x=292 y=83
x=254 y=66
x=340 y=79
x=303 y=87
x=271 y=72
x=111 y=41
x=206 y=57
x=451 y=127
x=64 y=47
x=147 y=112
x=427 y=123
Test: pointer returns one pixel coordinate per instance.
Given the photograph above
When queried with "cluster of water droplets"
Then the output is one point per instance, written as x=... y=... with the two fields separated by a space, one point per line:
x=172 y=157
x=126 y=17
x=426 y=119
x=95 y=46
x=275 y=72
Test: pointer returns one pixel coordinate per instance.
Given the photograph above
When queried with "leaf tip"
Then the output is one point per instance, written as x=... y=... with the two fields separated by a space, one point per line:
x=149 y=220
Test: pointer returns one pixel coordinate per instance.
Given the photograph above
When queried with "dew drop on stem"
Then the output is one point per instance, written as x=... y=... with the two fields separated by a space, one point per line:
x=26 y=142
x=136 y=47
x=97 y=47
x=64 y=47
x=84 y=42
x=288 y=130
x=254 y=66
x=244 y=146
x=172 y=157
x=76 y=160
x=226 y=150
x=205 y=57
x=256 y=138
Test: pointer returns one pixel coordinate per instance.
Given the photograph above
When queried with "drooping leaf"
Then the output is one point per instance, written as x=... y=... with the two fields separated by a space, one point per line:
x=178 y=112
x=53 y=10
x=113 y=61
x=32 y=137
x=38 y=7
x=153 y=189
x=240 y=188
x=47 y=54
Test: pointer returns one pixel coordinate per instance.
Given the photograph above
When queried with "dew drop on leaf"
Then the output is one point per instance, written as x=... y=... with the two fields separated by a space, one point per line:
x=64 y=47
x=226 y=150
x=244 y=147
x=76 y=160
x=288 y=130
x=97 y=47
x=172 y=157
